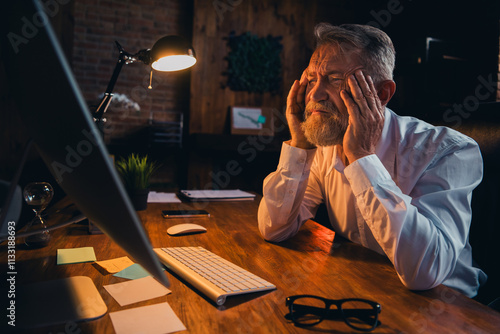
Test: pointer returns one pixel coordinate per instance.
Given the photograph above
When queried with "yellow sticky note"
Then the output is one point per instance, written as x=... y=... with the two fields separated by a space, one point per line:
x=115 y=265
x=75 y=255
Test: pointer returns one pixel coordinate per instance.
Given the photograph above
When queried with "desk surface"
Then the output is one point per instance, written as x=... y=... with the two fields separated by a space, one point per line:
x=309 y=263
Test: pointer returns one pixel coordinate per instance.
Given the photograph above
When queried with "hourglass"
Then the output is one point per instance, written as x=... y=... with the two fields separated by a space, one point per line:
x=38 y=195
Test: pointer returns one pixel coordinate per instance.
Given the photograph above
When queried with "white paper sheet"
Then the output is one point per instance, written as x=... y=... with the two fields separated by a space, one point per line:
x=137 y=290
x=152 y=319
x=217 y=194
x=159 y=197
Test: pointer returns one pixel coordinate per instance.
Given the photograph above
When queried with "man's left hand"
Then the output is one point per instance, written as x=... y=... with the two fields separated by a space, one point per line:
x=366 y=117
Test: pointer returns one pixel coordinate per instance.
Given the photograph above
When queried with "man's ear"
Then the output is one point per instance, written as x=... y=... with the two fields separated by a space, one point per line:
x=386 y=90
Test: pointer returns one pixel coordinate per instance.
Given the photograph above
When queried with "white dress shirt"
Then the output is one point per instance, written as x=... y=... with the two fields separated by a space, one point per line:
x=410 y=200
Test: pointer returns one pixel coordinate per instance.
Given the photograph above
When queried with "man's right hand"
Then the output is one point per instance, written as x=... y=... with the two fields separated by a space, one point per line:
x=295 y=107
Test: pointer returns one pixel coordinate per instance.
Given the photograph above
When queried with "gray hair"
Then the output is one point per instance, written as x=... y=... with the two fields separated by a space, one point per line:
x=377 y=51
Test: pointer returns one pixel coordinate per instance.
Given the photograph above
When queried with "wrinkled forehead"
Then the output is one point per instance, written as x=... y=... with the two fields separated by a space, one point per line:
x=330 y=58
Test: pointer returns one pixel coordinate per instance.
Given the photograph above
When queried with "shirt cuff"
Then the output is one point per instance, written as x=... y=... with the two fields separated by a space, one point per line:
x=295 y=159
x=365 y=173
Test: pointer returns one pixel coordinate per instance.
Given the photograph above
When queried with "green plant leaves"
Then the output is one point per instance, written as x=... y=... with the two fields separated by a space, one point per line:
x=136 y=171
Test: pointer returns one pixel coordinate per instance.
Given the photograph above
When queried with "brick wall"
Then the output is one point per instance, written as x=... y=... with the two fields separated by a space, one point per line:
x=135 y=25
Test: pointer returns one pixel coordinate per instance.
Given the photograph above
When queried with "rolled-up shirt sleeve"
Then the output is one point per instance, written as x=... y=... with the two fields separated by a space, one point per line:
x=283 y=208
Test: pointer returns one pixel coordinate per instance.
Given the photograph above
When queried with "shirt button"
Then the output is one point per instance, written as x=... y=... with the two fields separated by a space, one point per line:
x=290 y=191
x=301 y=161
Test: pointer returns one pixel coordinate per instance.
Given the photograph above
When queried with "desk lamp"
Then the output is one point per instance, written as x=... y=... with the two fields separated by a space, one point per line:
x=65 y=126
x=169 y=53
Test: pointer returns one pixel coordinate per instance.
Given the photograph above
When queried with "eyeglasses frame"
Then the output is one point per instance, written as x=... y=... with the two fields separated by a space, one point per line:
x=338 y=303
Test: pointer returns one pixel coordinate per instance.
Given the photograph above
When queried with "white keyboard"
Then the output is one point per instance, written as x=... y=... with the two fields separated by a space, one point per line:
x=212 y=275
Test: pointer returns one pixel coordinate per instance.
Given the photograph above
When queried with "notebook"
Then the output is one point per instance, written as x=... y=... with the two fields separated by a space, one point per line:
x=217 y=195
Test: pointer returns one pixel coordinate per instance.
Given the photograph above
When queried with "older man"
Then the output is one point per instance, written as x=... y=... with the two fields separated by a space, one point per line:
x=396 y=185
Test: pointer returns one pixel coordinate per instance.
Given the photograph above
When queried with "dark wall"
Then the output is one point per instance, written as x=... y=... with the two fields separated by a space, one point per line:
x=428 y=85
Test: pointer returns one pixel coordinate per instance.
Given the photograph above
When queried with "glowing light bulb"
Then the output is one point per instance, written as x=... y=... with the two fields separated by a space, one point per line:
x=173 y=63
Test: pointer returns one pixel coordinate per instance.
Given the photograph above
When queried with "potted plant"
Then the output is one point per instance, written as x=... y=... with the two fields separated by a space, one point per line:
x=136 y=172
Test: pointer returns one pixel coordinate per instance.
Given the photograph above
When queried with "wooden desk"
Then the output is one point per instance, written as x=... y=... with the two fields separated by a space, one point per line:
x=309 y=263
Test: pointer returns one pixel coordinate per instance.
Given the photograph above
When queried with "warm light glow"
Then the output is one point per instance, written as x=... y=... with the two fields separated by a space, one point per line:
x=173 y=63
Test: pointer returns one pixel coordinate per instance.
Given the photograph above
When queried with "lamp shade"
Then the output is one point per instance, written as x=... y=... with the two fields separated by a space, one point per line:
x=172 y=53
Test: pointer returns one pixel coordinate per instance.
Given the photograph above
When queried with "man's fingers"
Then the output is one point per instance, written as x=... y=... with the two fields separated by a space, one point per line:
x=303 y=77
x=301 y=94
x=295 y=112
x=352 y=107
x=368 y=91
x=292 y=95
x=366 y=117
x=365 y=95
x=357 y=94
x=378 y=104
x=296 y=96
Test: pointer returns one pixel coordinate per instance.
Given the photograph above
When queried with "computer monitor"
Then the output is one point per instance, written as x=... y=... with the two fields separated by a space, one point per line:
x=55 y=115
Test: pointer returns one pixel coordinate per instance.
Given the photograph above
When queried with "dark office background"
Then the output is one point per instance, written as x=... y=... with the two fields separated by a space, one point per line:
x=446 y=73
x=447 y=63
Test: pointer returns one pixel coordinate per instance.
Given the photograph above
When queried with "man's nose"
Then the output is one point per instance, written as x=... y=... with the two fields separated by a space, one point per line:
x=319 y=91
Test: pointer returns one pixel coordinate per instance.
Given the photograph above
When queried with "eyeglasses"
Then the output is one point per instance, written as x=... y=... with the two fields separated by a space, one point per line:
x=308 y=310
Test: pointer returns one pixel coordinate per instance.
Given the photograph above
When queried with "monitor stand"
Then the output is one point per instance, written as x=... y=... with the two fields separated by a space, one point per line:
x=58 y=301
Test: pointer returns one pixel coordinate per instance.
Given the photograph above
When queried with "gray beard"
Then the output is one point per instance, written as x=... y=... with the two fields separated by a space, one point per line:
x=327 y=129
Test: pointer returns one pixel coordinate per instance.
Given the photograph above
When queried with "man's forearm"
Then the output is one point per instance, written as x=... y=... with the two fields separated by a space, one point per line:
x=280 y=211
x=413 y=233
x=279 y=208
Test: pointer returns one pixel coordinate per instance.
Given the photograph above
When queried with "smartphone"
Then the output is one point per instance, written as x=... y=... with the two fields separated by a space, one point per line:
x=184 y=213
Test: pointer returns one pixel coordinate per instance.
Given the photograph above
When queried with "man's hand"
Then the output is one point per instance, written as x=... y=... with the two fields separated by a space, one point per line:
x=295 y=107
x=366 y=117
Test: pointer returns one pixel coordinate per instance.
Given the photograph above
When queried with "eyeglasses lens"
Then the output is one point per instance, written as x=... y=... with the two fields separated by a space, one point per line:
x=308 y=311
x=359 y=314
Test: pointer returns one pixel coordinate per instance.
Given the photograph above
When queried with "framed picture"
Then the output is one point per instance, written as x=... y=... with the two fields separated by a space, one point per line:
x=251 y=120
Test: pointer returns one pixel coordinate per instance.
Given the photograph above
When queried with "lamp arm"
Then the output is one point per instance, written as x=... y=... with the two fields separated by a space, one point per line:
x=116 y=73
x=123 y=58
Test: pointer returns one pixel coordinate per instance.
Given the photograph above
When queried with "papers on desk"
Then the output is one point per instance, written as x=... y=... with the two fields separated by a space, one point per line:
x=152 y=319
x=115 y=265
x=135 y=271
x=217 y=195
x=159 y=197
x=158 y=318
x=75 y=255
x=138 y=290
